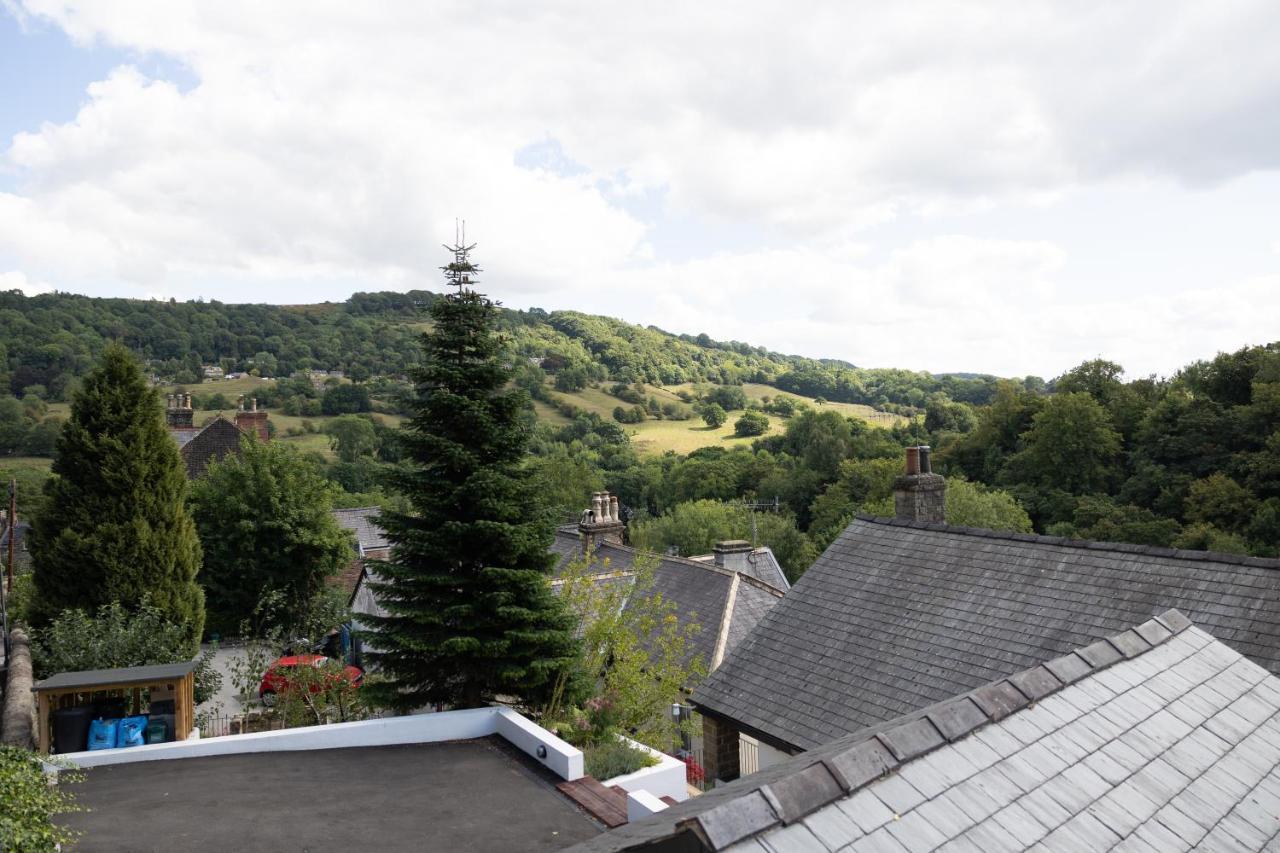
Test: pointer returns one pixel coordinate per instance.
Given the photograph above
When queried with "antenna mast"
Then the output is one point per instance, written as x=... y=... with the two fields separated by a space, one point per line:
x=461 y=273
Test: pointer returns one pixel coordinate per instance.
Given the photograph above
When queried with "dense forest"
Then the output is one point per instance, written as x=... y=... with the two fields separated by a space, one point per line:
x=1189 y=461
x=47 y=341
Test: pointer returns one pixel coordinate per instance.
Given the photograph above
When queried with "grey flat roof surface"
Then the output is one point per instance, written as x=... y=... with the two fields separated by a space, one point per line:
x=123 y=675
x=478 y=795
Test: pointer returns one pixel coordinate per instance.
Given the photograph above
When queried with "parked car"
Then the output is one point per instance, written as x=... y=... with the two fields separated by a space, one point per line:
x=276 y=679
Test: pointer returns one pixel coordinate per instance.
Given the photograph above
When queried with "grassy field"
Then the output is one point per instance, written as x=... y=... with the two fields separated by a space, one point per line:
x=232 y=388
x=658 y=436
x=11 y=465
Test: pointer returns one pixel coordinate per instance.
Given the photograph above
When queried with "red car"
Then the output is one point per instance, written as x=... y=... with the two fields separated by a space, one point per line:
x=276 y=678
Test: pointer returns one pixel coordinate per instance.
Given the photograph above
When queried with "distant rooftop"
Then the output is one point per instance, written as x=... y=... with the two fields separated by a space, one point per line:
x=360 y=521
x=726 y=604
x=474 y=795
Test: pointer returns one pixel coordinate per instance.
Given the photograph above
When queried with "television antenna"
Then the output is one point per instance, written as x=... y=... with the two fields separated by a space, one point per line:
x=461 y=273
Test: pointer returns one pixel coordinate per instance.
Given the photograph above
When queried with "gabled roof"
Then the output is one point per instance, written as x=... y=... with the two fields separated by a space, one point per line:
x=215 y=442
x=361 y=521
x=1159 y=738
x=760 y=563
x=725 y=604
x=898 y=615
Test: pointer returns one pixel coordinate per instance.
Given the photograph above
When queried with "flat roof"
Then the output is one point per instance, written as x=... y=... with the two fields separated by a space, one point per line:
x=120 y=675
x=480 y=795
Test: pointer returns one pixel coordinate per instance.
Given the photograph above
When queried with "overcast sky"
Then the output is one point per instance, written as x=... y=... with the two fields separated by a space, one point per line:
x=1000 y=187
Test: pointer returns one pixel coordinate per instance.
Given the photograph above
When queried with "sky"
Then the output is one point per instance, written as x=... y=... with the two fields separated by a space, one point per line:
x=1001 y=187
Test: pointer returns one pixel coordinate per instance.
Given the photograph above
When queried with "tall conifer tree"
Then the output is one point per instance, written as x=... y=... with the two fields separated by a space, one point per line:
x=115 y=526
x=470 y=614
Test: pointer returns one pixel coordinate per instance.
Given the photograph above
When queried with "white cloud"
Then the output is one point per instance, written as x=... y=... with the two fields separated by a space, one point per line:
x=17 y=280
x=330 y=145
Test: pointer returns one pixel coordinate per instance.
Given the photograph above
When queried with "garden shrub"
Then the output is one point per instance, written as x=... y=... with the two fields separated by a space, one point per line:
x=29 y=803
x=611 y=758
x=113 y=638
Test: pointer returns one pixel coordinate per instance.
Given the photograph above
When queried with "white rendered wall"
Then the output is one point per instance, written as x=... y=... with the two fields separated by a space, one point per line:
x=557 y=755
x=664 y=779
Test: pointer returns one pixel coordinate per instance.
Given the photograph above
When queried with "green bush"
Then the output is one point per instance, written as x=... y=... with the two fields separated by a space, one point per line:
x=30 y=802
x=115 y=637
x=611 y=758
x=752 y=423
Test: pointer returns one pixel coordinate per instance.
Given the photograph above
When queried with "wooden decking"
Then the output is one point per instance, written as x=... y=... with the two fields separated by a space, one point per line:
x=607 y=805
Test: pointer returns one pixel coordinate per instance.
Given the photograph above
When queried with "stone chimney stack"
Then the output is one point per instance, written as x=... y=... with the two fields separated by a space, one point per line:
x=734 y=555
x=252 y=421
x=919 y=494
x=177 y=412
x=601 y=523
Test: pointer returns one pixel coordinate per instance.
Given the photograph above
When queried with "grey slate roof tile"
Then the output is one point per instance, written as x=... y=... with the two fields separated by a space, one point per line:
x=833 y=828
x=796 y=838
x=1021 y=823
x=866 y=810
x=894 y=618
x=915 y=832
x=880 y=841
x=1124 y=772
x=898 y=794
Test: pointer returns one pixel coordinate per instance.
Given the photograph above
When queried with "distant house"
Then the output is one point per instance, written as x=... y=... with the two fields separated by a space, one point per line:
x=212 y=371
x=21 y=556
x=214 y=441
x=901 y=613
x=726 y=593
x=369 y=541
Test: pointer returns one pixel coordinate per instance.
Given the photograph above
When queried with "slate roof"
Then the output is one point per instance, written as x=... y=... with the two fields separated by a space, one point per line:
x=361 y=522
x=898 y=615
x=725 y=604
x=1159 y=738
x=215 y=442
x=759 y=563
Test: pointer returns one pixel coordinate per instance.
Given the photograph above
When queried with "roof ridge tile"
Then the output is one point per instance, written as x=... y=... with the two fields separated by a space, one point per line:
x=1089 y=544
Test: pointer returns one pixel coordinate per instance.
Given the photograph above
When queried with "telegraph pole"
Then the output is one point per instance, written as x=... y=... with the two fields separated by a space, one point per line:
x=13 y=530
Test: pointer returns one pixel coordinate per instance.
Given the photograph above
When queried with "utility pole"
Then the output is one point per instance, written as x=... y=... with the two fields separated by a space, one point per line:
x=13 y=530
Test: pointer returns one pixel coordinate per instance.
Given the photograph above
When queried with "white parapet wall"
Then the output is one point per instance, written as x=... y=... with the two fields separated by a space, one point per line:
x=664 y=779
x=642 y=804
x=555 y=754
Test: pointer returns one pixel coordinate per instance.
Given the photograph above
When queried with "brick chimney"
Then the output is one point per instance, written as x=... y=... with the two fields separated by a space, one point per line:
x=177 y=411
x=250 y=420
x=919 y=494
x=734 y=555
x=601 y=522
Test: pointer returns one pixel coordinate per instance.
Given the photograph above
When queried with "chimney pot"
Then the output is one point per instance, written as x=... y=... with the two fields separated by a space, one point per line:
x=919 y=494
x=601 y=523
